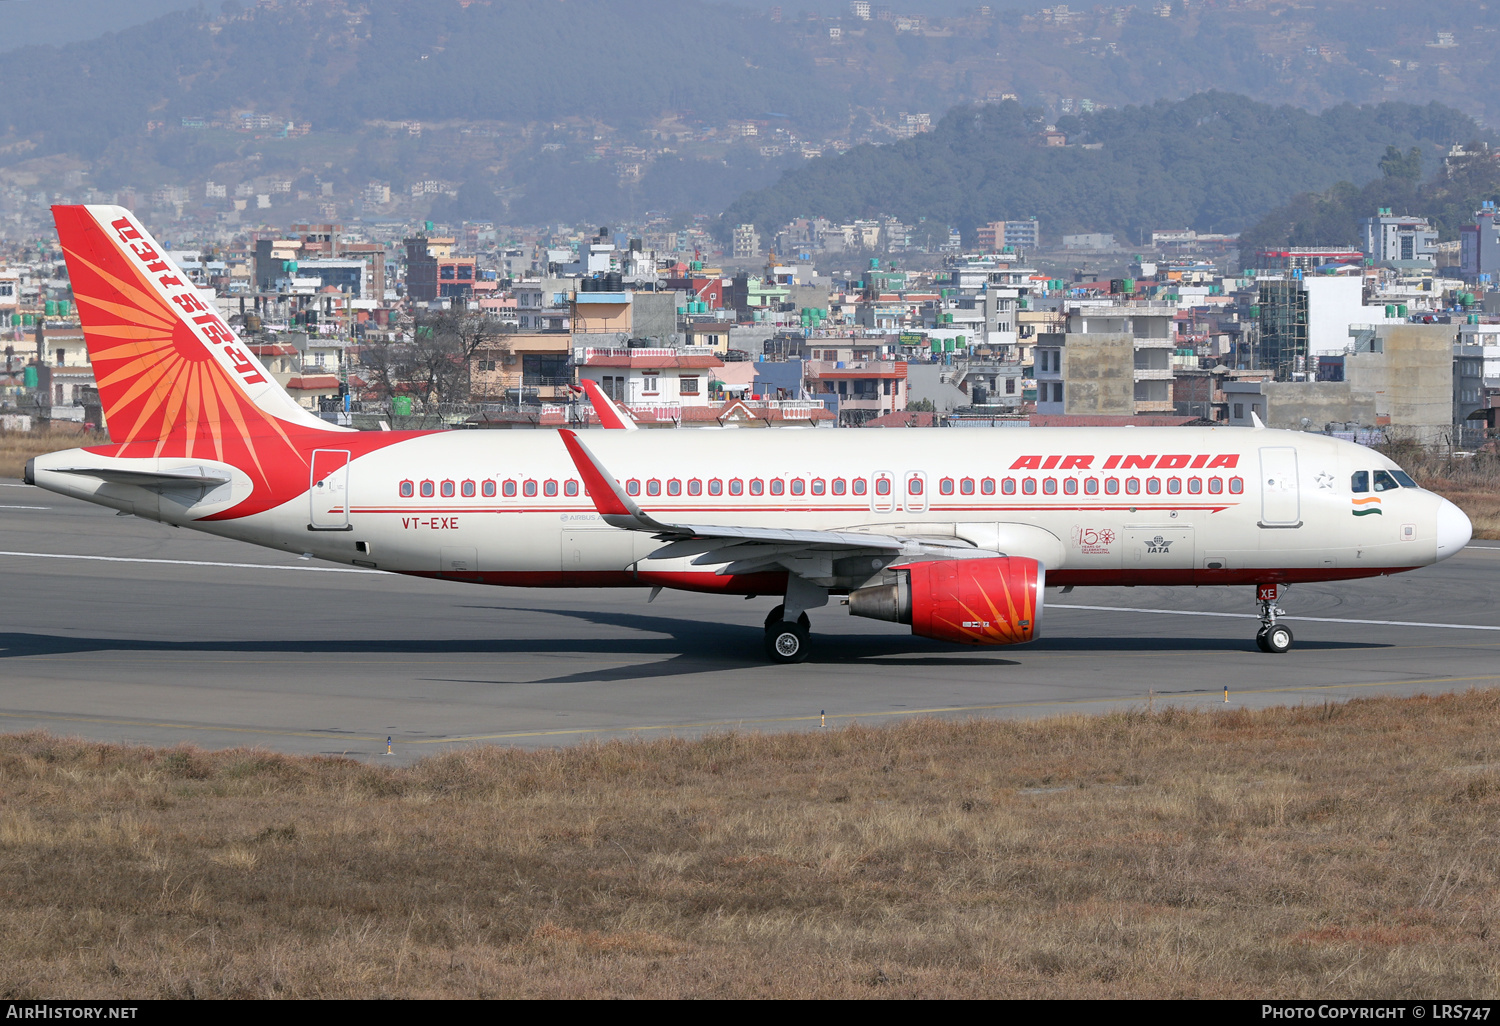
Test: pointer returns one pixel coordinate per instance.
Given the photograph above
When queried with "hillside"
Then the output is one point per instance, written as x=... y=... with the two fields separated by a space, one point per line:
x=1331 y=217
x=1214 y=162
x=548 y=109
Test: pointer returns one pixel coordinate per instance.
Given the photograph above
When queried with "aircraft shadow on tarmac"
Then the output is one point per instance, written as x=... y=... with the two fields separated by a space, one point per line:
x=688 y=647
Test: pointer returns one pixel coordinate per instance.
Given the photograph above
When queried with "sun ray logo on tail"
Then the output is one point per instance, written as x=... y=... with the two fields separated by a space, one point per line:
x=173 y=379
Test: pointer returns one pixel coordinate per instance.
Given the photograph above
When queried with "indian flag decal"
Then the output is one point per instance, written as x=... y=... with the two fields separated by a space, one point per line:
x=1370 y=503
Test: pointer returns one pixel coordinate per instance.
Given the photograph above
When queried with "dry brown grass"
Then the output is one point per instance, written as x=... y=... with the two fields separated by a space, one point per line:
x=1341 y=851
x=16 y=447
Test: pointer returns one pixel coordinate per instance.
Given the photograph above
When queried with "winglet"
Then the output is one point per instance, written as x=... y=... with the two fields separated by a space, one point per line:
x=1255 y=421
x=617 y=508
x=610 y=415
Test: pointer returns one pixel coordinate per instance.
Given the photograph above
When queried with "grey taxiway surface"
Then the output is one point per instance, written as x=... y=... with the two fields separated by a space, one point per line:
x=124 y=630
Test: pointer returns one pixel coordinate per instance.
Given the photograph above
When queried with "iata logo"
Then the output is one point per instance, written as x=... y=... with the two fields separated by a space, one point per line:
x=1179 y=461
x=1158 y=544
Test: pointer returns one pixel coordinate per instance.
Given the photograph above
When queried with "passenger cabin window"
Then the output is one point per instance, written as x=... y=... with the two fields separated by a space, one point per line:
x=510 y=489
x=883 y=486
x=571 y=488
x=715 y=486
x=427 y=489
x=1384 y=482
x=469 y=489
x=1361 y=481
x=1215 y=486
x=407 y=489
x=632 y=487
x=1070 y=486
x=914 y=486
x=839 y=487
x=1008 y=486
x=987 y=486
x=550 y=489
x=736 y=486
x=489 y=489
x=1028 y=486
x=529 y=489
x=945 y=486
x=966 y=486
x=798 y=486
x=757 y=486
x=860 y=487
x=674 y=487
x=1091 y=486
x=1132 y=486
x=447 y=489
x=778 y=486
x=653 y=487
x=1050 y=486
x=695 y=486
x=818 y=486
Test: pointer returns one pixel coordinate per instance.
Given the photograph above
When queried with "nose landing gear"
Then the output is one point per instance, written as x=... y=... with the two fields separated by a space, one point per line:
x=1272 y=637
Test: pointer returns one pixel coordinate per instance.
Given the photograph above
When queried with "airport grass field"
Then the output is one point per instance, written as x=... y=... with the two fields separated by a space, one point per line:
x=1344 y=850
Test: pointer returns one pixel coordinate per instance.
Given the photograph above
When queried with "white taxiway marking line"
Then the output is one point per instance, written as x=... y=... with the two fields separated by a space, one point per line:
x=194 y=562
x=1253 y=616
x=25 y=507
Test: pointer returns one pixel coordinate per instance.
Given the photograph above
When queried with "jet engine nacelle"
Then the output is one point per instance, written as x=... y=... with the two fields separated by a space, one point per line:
x=995 y=601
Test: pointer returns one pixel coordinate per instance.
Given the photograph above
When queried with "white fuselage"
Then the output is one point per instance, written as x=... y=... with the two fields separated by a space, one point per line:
x=1096 y=506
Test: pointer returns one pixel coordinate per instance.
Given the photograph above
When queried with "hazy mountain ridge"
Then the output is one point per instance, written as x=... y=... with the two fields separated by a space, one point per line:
x=1213 y=162
x=558 y=110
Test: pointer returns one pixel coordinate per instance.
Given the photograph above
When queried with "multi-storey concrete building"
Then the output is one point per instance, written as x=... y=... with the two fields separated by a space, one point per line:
x=1400 y=241
x=1112 y=359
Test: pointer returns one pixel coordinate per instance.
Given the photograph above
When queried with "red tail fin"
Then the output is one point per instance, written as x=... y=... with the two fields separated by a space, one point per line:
x=169 y=370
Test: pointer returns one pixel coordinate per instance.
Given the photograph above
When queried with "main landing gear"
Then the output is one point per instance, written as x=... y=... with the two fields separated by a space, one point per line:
x=787 y=625
x=786 y=641
x=1272 y=637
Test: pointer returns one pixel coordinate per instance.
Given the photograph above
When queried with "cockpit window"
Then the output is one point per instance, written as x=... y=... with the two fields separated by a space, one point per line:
x=1384 y=482
x=1361 y=481
x=1404 y=478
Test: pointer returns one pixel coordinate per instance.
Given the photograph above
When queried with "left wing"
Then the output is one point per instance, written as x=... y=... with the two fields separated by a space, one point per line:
x=809 y=554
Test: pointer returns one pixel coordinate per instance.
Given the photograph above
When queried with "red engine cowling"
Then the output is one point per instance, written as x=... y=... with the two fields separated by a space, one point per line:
x=971 y=601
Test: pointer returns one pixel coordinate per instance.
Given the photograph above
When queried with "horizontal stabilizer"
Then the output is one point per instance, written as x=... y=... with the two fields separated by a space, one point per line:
x=188 y=477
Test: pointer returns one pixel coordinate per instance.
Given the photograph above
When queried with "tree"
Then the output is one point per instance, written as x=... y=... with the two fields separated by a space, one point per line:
x=1407 y=167
x=432 y=364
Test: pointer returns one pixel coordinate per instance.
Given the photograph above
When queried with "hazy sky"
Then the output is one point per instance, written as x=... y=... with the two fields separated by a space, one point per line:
x=23 y=22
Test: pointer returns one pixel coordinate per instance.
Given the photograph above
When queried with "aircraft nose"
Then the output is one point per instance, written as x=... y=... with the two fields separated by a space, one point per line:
x=1453 y=529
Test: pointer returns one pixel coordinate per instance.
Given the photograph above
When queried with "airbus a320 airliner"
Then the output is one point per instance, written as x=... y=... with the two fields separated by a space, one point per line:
x=955 y=533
